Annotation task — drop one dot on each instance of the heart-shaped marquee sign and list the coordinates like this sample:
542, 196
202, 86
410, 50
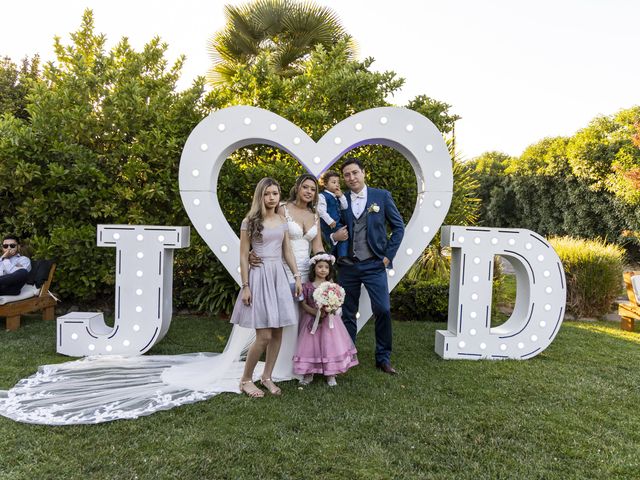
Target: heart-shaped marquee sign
227, 130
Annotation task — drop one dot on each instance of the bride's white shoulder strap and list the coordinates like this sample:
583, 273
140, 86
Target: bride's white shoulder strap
286, 211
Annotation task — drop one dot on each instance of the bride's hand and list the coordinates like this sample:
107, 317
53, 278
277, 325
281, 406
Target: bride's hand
298, 288
246, 296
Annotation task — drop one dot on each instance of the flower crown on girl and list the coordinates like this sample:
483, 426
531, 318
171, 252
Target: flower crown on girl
322, 256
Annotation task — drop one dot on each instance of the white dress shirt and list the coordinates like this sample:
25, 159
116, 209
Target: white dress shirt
10, 265
359, 202
322, 207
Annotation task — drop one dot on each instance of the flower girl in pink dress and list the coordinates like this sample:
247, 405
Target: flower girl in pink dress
329, 350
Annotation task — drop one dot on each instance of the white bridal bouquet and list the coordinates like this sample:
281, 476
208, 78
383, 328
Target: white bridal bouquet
329, 297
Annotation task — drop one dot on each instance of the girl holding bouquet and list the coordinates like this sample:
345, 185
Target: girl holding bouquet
265, 301
324, 345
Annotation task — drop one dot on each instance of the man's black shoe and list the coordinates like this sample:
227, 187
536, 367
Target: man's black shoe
386, 368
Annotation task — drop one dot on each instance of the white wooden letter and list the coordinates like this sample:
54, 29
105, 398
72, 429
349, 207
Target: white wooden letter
540, 297
144, 283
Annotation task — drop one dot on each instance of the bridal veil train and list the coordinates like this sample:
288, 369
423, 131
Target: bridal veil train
104, 388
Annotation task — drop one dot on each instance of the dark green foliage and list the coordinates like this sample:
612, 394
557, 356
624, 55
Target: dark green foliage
422, 300
556, 206
285, 31
584, 186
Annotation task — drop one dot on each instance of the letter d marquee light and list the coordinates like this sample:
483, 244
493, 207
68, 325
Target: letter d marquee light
540, 296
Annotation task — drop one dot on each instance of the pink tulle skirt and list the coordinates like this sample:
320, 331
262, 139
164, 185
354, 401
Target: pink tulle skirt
329, 351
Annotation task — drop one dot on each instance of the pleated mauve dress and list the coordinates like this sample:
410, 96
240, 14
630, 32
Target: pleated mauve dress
272, 303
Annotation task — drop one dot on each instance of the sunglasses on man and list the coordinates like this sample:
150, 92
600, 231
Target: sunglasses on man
9, 245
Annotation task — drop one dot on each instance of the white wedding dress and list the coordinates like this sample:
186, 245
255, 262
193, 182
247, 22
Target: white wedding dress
104, 388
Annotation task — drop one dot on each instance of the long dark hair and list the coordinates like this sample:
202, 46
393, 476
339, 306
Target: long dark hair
293, 194
256, 214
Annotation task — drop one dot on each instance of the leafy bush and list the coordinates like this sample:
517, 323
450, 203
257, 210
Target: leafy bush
100, 145
423, 300
424, 293
556, 205
594, 274
583, 186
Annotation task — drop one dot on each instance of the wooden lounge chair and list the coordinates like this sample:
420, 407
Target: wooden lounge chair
41, 276
629, 311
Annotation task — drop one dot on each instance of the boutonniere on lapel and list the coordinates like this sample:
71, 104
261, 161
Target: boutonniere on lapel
373, 208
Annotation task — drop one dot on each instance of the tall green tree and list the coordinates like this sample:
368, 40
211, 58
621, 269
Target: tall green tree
286, 31
101, 144
15, 82
438, 112
586, 185
546, 157
604, 154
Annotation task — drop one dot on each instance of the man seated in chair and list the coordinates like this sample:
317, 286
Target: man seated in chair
14, 268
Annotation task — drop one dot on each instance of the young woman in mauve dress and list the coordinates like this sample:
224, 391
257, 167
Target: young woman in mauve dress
265, 302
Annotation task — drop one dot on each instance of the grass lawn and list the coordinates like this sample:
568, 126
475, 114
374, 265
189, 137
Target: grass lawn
571, 412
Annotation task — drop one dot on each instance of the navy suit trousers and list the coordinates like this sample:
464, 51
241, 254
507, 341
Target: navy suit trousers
373, 275
12, 283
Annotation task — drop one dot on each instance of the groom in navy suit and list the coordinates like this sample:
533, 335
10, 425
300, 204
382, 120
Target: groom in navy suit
371, 251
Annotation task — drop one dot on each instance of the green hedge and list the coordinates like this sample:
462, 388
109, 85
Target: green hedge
594, 274
428, 300
556, 205
423, 300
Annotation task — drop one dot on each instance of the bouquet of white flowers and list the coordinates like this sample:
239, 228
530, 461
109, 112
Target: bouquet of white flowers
329, 297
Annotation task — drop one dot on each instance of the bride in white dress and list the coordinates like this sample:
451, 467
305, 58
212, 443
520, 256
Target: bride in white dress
304, 236
104, 388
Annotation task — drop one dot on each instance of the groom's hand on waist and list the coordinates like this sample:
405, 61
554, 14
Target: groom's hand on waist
254, 260
386, 261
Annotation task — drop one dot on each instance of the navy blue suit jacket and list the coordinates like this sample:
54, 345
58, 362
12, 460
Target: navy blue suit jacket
381, 245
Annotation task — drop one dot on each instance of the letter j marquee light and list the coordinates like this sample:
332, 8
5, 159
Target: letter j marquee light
144, 284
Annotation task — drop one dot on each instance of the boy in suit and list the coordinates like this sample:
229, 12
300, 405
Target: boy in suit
331, 202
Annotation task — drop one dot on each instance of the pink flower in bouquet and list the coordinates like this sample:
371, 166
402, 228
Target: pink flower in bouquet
328, 297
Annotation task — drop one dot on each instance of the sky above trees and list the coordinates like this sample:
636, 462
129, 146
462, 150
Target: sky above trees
514, 71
